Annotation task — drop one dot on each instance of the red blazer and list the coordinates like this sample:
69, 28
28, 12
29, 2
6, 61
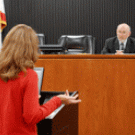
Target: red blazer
20, 110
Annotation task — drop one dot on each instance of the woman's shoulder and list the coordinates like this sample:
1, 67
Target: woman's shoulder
29, 70
29, 73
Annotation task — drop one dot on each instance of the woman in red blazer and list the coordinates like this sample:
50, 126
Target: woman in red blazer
19, 100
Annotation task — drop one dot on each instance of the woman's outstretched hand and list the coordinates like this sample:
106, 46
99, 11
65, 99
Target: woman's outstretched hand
66, 99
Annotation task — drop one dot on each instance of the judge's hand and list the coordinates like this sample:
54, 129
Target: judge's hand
119, 52
66, 99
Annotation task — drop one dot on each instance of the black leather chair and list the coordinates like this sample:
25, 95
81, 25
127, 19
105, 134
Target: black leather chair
41, 38
53, 48
71, 44
74, 44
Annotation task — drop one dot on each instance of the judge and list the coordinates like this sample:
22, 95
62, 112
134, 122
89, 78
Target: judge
122, 43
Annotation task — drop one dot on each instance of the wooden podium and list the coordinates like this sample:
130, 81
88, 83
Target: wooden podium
63, 121
106, 86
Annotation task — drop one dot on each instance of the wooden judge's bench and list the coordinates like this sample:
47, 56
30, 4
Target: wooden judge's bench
106, 86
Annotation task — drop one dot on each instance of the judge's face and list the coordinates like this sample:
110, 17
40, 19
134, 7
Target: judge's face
123, 32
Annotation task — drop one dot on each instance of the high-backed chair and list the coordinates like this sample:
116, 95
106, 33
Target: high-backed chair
74, 44
53, 48
41, 38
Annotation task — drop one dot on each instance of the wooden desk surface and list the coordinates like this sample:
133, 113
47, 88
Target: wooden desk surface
87, 56
106, 85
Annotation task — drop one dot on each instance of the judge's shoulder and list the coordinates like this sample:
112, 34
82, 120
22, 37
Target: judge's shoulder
132, 38
111, 39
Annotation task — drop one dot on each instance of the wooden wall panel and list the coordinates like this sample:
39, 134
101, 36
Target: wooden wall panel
106, 86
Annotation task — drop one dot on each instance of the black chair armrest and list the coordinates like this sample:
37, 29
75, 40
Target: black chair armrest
91, 44
51, 47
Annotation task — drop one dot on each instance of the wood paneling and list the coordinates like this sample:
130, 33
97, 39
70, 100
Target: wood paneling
106, 86
60, 17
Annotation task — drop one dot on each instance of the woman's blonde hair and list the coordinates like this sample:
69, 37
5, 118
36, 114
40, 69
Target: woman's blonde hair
19, 51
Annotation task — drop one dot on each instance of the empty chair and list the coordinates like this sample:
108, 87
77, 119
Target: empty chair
74, 44
41, 38
53, 48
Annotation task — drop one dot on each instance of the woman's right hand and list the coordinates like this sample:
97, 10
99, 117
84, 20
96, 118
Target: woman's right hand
66, 99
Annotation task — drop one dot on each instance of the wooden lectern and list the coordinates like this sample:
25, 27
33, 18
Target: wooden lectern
63, 121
